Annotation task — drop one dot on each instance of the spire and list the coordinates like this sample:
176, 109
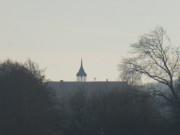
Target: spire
81, 75
81, 63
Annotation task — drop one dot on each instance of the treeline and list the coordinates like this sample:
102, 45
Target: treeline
123, 111
29, 107
119, 111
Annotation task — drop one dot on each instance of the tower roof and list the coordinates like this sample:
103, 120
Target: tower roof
81, 70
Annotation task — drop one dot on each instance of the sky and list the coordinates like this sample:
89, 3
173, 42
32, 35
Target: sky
56, 34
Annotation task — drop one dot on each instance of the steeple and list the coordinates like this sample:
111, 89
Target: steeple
81, 75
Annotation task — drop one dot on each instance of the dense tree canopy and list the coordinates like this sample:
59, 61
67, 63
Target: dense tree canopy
125, 111
27, 105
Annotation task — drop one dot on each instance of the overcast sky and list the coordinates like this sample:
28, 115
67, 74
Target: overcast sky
58, 33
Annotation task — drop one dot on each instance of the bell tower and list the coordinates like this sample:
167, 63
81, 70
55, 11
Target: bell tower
81, 75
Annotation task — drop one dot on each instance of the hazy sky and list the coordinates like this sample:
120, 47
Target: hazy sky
58, 33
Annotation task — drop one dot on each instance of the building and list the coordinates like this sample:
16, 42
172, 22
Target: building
81, 82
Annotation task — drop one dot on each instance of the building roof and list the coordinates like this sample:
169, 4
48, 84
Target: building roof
81, 71
62, 87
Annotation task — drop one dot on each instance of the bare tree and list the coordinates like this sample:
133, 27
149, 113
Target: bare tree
156, 59
131, 77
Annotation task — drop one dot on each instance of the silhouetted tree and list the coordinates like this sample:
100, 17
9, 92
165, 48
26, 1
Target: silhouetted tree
124, 111
174, 125
155, 59
27, 105
132, 78
74, 113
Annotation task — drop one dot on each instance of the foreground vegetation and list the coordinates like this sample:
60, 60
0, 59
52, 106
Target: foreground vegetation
29, 107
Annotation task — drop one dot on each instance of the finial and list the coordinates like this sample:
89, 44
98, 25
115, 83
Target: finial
81, 62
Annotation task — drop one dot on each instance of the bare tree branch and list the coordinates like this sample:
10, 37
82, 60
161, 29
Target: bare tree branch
155, 59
